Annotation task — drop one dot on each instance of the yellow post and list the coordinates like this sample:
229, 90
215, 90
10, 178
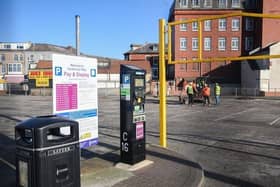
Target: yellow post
162, 91
200, 40
169, 44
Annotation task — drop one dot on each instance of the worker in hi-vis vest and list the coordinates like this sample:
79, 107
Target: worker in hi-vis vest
190, 93
217, 93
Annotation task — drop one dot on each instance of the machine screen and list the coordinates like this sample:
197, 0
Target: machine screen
139, 82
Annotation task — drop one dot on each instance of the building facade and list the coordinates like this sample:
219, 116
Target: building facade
225, 37
12, 61
18, 59
220, 38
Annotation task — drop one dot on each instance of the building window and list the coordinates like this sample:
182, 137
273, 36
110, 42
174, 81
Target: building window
103, 64
222, 3
183, 44
249, 43
235, 24
4, 68
14, 68
2, 57
15, 57
195, 3
222, 24
222, 44
207, 3
195, 66
19, 46
21, 57
207, 44
184, 3
207, 66
31, 58
207, 25
7, 46
194, 44
235, 3
183, 67
235, 44
183, 26
249, 24
250, 4
195, 26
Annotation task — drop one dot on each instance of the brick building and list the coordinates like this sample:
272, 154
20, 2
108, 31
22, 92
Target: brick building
221, 38
230, 37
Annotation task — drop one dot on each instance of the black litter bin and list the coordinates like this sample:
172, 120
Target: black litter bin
47, 152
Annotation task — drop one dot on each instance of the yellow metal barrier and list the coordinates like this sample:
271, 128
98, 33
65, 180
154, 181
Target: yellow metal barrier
199, 20
162, 68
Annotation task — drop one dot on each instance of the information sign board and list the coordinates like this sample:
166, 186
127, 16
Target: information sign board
75, 94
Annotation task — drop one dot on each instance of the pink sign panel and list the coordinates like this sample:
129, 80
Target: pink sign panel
66, 97
139, 130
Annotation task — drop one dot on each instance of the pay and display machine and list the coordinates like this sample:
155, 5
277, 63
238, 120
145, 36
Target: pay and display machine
132, 114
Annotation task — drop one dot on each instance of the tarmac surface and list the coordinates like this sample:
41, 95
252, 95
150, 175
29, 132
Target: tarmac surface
233, 144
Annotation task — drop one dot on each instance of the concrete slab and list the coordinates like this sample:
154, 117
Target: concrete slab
134, 167
105, 177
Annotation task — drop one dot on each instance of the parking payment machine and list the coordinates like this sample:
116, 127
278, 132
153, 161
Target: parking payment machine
132, 114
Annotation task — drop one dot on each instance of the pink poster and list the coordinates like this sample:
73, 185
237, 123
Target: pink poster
66, 97
139, 130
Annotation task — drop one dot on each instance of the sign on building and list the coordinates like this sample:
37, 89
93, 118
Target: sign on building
42, 77
75, 94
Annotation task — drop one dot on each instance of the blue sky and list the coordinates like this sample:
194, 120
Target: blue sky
107, 27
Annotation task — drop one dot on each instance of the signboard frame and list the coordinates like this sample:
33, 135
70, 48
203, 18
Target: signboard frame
75, 94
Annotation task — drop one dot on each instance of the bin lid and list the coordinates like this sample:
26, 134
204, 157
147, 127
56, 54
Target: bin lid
42, 121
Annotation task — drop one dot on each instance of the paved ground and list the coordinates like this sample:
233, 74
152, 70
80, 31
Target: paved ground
236, 143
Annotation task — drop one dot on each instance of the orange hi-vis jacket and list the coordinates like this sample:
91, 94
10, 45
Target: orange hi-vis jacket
206, 91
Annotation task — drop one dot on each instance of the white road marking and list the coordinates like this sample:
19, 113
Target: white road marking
230, 115
275, 121
185, 113
8, 164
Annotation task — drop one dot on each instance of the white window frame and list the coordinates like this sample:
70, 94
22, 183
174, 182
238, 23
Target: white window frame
195, 26
183, 44
184, 3
183, 26
235, 3
21, 57
249, 24
207, 43
195, 3
235, 43
194, 44
207, 3
249, 43
4, 68
235, 24
222, 3
222, 24
221, 43
15, 68
16, 57
207, 25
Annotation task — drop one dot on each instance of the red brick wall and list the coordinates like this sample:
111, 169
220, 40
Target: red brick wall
134, 57
214, 34
271, 27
